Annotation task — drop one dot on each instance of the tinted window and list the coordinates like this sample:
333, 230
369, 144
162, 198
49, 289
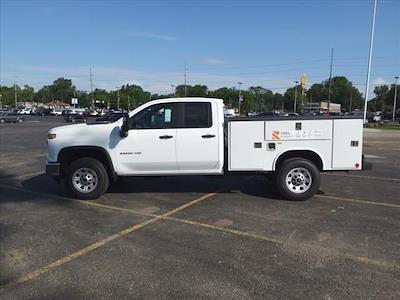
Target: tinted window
157, 116
197, 115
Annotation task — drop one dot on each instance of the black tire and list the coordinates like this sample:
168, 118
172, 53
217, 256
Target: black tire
287, 189
99, 172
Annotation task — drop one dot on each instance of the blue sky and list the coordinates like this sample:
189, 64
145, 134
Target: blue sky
268, 43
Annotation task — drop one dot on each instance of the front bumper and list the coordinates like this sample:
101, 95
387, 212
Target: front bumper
53, 169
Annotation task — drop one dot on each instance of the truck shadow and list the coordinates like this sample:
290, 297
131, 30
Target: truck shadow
254, 185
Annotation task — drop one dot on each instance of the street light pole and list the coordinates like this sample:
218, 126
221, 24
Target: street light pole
173, 89
371, 44
240, 93
330, 83
295, 96
395, 99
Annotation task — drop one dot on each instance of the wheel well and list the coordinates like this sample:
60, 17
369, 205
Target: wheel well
70, 154
307, 154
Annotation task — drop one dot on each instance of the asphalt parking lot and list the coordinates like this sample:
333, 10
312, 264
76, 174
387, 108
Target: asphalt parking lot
197, 237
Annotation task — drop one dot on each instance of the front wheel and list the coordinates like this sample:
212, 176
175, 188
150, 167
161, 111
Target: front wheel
87, 179
297, 179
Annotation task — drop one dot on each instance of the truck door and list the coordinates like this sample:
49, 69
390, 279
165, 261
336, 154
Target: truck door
150, 147
198, 139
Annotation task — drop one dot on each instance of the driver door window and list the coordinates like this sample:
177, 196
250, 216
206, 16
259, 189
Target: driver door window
159, 116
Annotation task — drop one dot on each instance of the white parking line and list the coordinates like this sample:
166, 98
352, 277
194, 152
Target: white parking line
361, 176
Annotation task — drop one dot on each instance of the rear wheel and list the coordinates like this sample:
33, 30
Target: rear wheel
87, 179
20, 120
2, 121
297, 179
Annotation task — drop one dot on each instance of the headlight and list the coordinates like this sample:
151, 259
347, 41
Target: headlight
51, 136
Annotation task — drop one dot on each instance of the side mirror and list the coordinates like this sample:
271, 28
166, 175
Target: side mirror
124, 128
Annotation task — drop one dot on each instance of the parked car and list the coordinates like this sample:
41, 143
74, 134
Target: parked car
24, 111
7, 117
369, 119
75, 118
377, 116
57, 111
266, 114
111, 117
291, 115
41, 111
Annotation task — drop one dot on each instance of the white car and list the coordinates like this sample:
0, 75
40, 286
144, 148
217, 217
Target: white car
186, 136
24, 111
57, 112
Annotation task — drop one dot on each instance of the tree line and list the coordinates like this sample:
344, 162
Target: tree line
255, 98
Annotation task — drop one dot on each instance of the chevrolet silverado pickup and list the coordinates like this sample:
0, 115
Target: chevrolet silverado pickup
190, 136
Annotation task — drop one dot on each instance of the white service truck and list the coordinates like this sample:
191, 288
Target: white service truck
190, 136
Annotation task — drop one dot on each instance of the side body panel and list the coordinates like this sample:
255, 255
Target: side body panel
347, 144
256, 145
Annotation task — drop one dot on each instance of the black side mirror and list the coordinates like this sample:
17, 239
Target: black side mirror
125, 127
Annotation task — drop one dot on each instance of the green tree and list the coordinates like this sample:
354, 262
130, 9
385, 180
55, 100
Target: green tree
342, 91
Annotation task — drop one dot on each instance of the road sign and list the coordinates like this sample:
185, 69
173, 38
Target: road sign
74, 100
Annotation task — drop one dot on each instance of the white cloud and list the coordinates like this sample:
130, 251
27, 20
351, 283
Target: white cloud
109, 78
152, 35
213, 61
379, 81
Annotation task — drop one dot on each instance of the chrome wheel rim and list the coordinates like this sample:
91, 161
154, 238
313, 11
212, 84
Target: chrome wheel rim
85, 180
298, 180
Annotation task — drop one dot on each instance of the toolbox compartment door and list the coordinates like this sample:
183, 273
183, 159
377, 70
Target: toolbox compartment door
347, 144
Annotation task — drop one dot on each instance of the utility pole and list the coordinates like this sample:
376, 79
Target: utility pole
118, 100
351, 100
15, 96
1, 103
395, 99
371, 45
295, 96
129, 104
173, 90
91, 87
185, 80
330, 83
240, 96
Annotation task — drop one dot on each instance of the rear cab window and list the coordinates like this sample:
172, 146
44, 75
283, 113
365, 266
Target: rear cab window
197, 115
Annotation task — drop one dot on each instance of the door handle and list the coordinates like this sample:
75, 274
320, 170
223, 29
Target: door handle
165, 137
208, 136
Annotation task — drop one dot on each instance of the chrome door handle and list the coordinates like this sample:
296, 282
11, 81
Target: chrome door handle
165, 137
208, 136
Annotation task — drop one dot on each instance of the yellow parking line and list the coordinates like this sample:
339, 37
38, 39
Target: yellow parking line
166, 216
360, 176
275, 240
100, 243
357, 201
189, 222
